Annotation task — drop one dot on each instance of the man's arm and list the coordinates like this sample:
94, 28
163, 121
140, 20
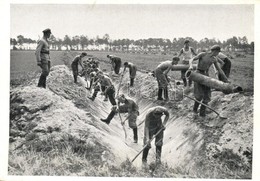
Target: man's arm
197, 57
193, 52
38, 52
167, 115
181, 51
220, 71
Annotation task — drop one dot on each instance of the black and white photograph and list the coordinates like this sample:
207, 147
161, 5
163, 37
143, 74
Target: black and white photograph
106, 90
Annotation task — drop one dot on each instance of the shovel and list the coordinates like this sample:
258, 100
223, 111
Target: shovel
220, 115
147, 144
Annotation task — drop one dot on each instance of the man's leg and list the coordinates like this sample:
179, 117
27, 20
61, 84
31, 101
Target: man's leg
131, 82
184, 78
94, 94
135, 135
158, 144
44, 74
109, 117
160, 90
166, 96
111, 96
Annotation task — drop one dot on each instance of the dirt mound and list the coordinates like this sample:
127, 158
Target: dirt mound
199, 146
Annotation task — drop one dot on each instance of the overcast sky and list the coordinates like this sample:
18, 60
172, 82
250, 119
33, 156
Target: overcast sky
134, 21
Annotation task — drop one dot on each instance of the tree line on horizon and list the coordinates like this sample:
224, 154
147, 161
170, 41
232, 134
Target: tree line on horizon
82, 42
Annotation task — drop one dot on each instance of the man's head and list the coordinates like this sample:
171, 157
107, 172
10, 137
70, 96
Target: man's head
157, 113
175, 60
215, 49
186, 43
108, 56
47, 32
126, 64
121, 98
83, 54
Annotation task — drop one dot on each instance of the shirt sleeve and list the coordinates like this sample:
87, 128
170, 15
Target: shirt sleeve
38, 51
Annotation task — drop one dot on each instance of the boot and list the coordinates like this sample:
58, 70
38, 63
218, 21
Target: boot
135, 135
166, 96
184, 82
158, 154
42, 81
202, 111
131, 82
160, 94
145, 154
93, 96
75, 78
109, 117
195, 107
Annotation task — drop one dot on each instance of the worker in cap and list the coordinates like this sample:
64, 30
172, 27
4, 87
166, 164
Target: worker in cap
203, 92
48, 30
115, 62
215, 48
186, 53
132, 71
75, 63
129, 106
42, 54
154, 124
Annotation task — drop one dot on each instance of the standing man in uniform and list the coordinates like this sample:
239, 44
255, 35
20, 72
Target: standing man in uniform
132, 72
202, 92
116, 63
161, 75
129, 106
75, 63
186, 53
154, 124
42, 54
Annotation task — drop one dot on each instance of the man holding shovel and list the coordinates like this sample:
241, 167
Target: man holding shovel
115, 62
132, 72
161, 72
75, 63
129, 106
154, 126
203, 92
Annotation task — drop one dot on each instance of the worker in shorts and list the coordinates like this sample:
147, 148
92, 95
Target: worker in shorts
129, 106
187, 53
161, 75
132, 72
203, 92
154, 124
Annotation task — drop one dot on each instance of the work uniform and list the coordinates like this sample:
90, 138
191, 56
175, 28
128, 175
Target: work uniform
162, 78
226, 66
116, 64
107, 87
132, 72
132, 109
203, 92
186, 56
153, 124
74, 66
43, 60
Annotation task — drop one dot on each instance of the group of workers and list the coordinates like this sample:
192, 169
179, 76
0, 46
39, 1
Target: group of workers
154, 125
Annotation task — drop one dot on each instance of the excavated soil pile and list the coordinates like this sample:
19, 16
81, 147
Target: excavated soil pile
190, 143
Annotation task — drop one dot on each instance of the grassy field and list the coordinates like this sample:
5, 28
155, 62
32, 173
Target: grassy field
23, 65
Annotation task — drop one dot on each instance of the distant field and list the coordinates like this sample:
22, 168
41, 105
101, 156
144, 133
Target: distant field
23, 65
